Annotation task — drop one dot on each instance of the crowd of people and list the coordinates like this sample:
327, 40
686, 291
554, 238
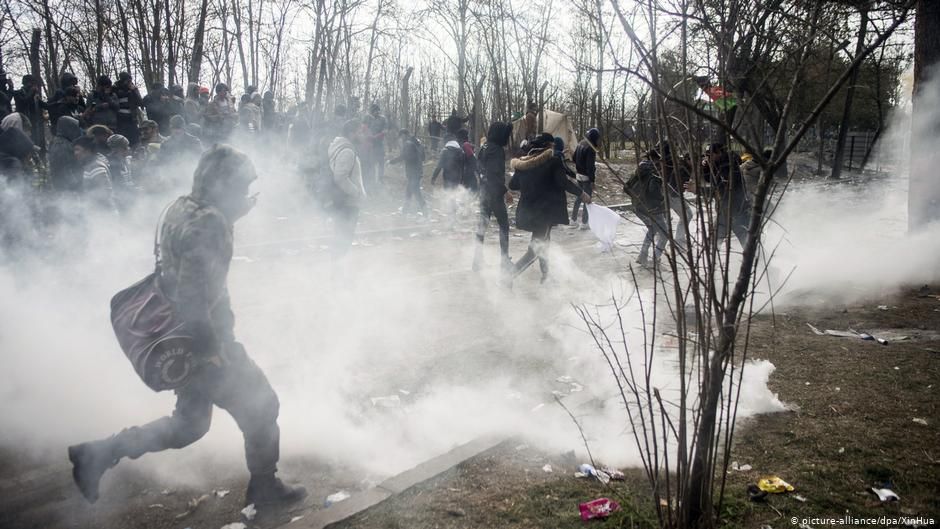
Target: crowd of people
109, 145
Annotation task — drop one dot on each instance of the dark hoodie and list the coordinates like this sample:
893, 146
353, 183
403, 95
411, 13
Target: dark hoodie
196, 243
492, 159
64, 171
15, 146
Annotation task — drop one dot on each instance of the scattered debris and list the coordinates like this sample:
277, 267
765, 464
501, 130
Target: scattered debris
614, 474
576, 388
250, 512
547, 468
799, 498
157, 506
237, 525
589, 470
457, 512
221, 493
755, 494
885, 494
851, 333
391, 401
918, 420
740, 468
841, 449
404, 392
580, 475
336, 498
166, 492
599, 508
296, 519
882, 307
774, 485
192, 505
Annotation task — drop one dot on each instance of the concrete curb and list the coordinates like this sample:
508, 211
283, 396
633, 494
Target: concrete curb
397, 484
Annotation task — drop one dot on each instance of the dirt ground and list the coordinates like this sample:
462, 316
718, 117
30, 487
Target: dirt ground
855, 401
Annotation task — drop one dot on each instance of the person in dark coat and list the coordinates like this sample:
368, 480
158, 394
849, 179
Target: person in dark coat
494, 193
542, 183
450, 163
29, 103
156, 102
412, 154
6, 94
103, 104
722, 170
129, 103
65, 172
436, 132
646, 194
585, 158
454, 123
70, 104
195, 255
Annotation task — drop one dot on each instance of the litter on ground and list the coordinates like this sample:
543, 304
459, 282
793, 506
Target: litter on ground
599, 508
250, 512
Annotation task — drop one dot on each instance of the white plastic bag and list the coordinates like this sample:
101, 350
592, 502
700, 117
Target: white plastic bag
603, 223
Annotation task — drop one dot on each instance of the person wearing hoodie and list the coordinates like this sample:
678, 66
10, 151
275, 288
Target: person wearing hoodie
494, 194
70, 104
585, 157
97, 187
722, 169
348, 192
64, 171
129, 103
450, 164
542, 183
195, 252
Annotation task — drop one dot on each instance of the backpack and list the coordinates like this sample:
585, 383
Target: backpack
645, 189
320, 179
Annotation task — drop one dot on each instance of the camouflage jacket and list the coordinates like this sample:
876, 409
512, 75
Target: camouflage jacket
195, 253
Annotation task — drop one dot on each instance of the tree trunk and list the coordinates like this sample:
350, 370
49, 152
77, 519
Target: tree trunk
923, 195
839, 155
195, 64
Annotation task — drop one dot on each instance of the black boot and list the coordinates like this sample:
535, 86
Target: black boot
89, 462
268, 489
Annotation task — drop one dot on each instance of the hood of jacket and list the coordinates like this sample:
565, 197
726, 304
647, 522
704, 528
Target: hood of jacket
14, 142
532, 160
452, 144
499, 133
222, 178
68, 128
12, 121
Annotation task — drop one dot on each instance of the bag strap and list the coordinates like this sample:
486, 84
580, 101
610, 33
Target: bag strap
157, 236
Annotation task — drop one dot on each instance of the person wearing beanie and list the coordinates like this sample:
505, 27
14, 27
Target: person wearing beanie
103, 104
585, 158
542, 183
100, 134
494, 194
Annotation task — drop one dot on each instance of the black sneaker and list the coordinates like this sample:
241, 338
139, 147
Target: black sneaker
267, 490
89, 462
